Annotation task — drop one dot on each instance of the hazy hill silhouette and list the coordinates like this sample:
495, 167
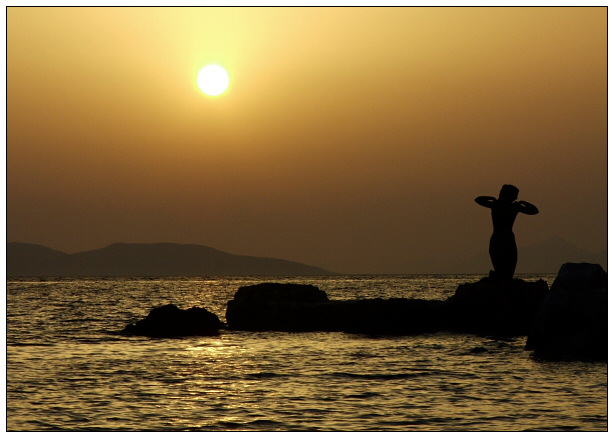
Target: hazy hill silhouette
147, 260
541, 258
169, 260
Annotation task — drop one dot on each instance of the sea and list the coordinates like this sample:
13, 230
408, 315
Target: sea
68, 367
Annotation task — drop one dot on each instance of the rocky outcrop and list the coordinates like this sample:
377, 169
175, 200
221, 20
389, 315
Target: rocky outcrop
569, 322
279, 293
301, 308
276, 307
572, 324
393, 316
486, 307
170, 321
495, 307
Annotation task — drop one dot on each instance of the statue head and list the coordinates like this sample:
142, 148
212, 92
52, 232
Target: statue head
508, 193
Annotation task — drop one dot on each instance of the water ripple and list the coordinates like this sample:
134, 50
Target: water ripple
69, 369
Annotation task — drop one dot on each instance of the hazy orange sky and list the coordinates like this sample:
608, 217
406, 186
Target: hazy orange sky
354, 139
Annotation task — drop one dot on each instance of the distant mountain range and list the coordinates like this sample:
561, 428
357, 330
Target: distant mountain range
542, 258
144, 260
177, 260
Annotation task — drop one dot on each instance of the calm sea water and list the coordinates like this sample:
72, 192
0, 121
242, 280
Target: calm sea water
69, 369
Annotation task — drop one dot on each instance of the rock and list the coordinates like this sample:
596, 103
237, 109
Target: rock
572, 324
495, 307
488, 307
393, 316
301, 308
170, 321
280, 293
276, 307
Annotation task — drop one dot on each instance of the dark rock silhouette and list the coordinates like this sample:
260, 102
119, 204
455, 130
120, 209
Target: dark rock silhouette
502, 248
494, 307
275, 306
393, 316
296, 308
280, 293
169, 321
569, 322
488, 307
573, 321
300, 308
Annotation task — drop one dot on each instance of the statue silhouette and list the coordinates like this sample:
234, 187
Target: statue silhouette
504, 210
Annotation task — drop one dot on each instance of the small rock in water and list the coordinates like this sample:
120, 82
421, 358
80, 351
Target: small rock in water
276, 306
170, 321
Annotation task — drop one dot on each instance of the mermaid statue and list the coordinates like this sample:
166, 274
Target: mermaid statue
502, 249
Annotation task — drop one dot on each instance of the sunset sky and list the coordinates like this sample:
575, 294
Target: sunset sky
354, 139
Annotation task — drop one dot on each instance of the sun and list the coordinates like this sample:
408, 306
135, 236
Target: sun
212, 80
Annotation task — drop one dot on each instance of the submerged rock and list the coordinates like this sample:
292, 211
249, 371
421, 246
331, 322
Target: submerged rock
573, 321
170, 321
